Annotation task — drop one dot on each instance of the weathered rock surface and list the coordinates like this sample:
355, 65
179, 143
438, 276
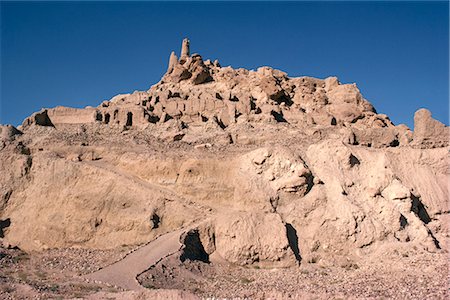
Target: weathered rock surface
429, 132
253, 238
276, 170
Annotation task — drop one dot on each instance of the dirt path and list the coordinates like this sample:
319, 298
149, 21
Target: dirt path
124, 272
111, 168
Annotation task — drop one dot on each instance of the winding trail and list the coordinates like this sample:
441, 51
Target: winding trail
124, 272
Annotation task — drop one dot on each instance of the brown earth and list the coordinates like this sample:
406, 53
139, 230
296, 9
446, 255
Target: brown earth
225, 183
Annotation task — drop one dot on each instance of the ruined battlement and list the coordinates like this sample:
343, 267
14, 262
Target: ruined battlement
194, 91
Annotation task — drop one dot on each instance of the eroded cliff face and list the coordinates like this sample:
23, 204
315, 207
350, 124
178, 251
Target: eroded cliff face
270, 170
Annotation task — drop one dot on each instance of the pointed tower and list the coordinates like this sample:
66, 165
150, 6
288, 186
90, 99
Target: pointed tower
185, 53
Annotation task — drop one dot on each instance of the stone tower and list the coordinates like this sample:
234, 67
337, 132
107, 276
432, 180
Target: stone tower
184, 51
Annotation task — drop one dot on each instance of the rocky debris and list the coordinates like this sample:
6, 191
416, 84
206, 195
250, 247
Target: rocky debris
428, 132
52, 273
160, 294
395, 274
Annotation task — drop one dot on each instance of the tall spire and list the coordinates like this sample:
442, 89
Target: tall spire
173, 60
185, 53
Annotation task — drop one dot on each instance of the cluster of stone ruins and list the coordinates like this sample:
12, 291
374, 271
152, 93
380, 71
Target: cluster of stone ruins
196, 91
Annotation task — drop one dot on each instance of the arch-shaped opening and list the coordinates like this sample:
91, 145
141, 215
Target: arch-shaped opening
333, 121
107, 118
129, 119
193, 248
116, 113
98, 116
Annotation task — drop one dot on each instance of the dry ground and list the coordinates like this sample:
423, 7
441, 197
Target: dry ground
54, 274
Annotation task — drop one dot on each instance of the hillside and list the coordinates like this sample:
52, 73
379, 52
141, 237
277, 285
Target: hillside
215, 168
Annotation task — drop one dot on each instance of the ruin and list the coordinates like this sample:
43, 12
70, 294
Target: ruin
185, 51
217, 167
193, 91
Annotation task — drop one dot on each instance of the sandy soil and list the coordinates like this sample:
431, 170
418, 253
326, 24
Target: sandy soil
397, 276
55, 274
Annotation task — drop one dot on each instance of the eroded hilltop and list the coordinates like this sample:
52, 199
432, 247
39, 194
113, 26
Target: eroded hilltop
269, 170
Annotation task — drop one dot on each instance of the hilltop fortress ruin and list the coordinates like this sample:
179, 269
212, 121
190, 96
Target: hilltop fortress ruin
194, 91
250, 168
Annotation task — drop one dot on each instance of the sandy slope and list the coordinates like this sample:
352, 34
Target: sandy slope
123, 273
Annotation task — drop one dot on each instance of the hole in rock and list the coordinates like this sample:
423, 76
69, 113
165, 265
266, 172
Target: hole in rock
310, 182
155, 220
173, 95
403, 221
129, 119
394, 143
234, 99
43, 119
419, 209
193, 248
285, 99
98, 222
107, 117
4, 224
293, 241
353, 160
98, 116
252, 103
333, 121
278, 117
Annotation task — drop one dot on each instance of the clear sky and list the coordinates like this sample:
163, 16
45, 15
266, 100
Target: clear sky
80, 53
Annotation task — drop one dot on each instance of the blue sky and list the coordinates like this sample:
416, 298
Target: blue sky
80, 53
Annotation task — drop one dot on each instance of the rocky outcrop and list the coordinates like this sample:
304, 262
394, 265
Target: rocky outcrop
187, 67
8, 133
428, 132
40, 118
253, 239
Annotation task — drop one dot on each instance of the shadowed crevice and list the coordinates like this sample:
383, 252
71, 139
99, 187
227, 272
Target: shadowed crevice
193, 248
293, 241
419, 209
4, 224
